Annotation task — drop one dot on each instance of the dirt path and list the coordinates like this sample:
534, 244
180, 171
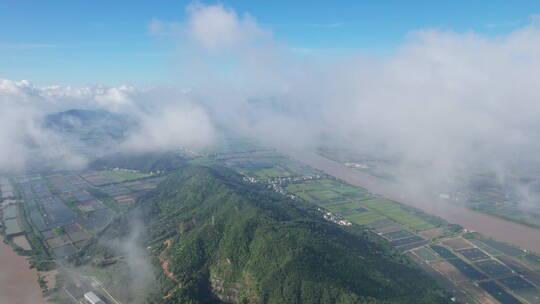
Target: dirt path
18, 283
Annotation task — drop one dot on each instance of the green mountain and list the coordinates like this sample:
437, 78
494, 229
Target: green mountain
214, 239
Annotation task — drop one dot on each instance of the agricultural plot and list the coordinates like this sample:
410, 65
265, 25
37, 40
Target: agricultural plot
396, 213
96, 179
114, 190
473, 254
449, 271
357, 210
82, 196
350, 191
64, 251
386, 229
457, 243
273, 172
66, 182
37, 220
493, 268
531, 295
326, 195
532, 258
365, 218
533, 277
467, 269
10, 212
498, 293
47, 234
398, 235
57, 214
12, 227
58, 241
443, 252
344, 206
119, 176
75, 233
381, 224
502, 247
92, 205
406, 241
97, 220
426, 255
485, 247
127, 199
516, 282
145, 185
412, 246
305, 196
513, 264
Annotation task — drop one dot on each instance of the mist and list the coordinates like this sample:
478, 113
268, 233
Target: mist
443, 106
441, 103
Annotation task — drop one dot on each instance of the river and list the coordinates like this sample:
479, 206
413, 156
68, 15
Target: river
18, 283
495, 227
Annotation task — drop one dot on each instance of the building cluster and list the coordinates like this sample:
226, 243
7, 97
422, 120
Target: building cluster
277, 182
329, 216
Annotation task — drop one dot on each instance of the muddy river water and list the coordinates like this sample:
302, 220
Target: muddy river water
497, 228
18, 283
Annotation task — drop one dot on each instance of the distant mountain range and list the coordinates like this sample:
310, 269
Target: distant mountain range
96, 126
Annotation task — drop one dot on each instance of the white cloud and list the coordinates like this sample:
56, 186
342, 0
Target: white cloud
165, 122
171, 127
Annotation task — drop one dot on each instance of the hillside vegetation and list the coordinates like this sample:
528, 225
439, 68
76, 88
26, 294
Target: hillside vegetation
213, 239
219, 238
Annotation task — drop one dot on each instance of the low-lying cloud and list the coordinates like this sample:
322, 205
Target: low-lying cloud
440, 103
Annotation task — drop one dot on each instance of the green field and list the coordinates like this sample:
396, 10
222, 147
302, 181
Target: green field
304, 196
342, 206
122, 176
309, 186
326, 194
349, 191
398, 214
364, 218
269, 173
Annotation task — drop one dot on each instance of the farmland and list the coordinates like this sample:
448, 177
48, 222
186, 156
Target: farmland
478, 269
59, 214
479, 189
56, 214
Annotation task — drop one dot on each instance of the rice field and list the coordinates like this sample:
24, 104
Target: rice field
365, 218
396, 213
122, 176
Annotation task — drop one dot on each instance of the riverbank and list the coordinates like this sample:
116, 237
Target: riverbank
18, 283
491, 226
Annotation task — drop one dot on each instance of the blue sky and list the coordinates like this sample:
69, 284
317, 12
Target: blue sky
88, 42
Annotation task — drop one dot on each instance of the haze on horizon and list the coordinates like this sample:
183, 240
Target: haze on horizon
436, 99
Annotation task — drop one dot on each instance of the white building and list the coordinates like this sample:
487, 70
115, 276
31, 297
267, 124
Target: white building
92, 298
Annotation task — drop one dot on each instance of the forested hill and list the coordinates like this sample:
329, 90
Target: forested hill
215, 238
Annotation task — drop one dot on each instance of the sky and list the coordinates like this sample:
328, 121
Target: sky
82, 43
438, 88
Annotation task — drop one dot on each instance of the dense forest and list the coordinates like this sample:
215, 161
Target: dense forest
213, 238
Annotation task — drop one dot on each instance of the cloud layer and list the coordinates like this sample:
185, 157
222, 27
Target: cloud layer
441, 103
